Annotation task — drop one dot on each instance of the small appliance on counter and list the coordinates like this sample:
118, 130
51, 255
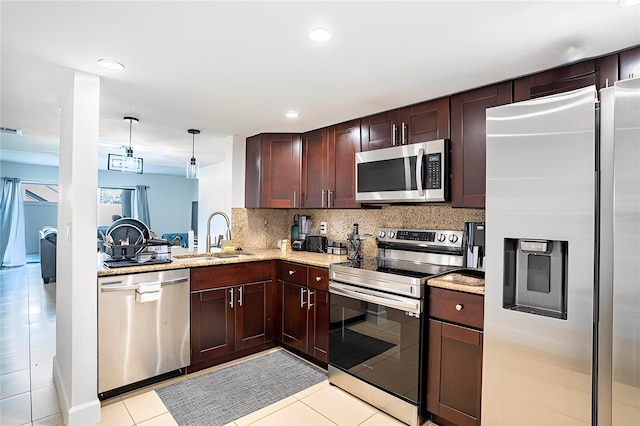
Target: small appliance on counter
299, 230
316, 244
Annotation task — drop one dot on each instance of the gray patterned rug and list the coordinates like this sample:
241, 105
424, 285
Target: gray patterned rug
222, 396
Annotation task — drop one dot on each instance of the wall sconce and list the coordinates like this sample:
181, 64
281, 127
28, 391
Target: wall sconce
193, 166
126, 163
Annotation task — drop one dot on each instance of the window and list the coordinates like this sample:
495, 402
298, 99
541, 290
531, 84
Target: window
113, 202
39, 193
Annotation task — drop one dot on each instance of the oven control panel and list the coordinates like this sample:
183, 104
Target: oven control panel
439, 238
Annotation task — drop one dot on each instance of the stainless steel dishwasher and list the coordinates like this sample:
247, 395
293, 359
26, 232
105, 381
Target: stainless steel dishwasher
143, 328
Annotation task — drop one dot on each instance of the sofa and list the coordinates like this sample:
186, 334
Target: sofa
48, 242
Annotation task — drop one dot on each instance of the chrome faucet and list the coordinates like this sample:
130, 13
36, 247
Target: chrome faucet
227, 235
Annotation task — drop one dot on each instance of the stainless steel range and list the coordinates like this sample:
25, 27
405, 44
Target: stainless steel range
377, 307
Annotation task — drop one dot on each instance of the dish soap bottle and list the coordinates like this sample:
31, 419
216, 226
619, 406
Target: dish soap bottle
295, 229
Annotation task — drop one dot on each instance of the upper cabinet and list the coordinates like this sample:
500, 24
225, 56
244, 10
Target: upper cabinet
416, 123
599, 72
629, 63
273, 170
468, 142
328, 166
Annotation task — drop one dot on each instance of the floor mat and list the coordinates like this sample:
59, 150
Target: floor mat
225, 395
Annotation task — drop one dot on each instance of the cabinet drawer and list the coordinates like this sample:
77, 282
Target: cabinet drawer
292, 272
456, 306
319, 278
225, 275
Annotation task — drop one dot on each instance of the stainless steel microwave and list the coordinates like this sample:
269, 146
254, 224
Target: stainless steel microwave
415, 173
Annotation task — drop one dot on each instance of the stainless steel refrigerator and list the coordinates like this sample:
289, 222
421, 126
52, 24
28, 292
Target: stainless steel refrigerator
562, 302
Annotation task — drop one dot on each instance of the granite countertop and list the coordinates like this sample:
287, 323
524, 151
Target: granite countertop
205, 259
459, 281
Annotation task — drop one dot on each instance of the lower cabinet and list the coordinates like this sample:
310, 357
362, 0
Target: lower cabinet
303, 303
454, 357
228, 318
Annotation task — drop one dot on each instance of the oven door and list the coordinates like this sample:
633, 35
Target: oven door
376, 338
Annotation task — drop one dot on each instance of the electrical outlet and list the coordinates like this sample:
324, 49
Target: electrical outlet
323, 228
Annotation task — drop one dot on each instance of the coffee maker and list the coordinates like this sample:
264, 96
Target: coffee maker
473, 245
304, 228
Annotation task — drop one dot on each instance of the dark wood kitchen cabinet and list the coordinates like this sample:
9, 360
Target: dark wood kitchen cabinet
629, 63
598, 72
454, 357
328, 166
232, 309
303, 304
469, 142
412, 124
273, 171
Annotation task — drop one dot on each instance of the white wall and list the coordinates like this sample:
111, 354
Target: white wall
221, 186
75, 365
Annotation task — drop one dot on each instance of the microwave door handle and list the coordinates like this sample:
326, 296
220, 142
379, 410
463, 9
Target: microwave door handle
419, 171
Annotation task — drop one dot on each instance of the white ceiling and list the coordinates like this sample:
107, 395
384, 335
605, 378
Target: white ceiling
235, 68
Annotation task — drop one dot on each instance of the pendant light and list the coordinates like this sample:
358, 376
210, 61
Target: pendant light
193, 166
126, 163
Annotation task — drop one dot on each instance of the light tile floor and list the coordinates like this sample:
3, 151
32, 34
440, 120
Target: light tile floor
28, 396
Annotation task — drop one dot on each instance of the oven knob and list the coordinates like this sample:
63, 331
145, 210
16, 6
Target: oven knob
453, 238
392, 234
381, 234
442, 237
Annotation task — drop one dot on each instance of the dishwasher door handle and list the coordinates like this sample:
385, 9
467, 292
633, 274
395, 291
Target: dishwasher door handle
113, 286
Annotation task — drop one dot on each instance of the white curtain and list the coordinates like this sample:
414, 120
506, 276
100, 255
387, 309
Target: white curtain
141, 205
13, 249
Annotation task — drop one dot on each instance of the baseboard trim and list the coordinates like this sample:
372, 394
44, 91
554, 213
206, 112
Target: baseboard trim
83, 414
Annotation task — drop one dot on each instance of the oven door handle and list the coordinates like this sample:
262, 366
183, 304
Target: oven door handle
396, 302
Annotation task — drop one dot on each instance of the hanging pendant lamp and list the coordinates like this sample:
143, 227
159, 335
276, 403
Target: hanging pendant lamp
126, 163
193, 166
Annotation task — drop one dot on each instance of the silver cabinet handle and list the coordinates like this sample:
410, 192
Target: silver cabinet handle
459, 307
419, 171
302, 302
240, 296
394, 129
294, 198
403, 141
291, 272
329, 198
323, 193
309, 304
231, 301
318, 278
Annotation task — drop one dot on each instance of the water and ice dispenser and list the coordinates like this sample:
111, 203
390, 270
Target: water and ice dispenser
535, 276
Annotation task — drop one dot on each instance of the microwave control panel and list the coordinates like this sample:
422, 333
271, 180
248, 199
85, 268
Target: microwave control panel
434, 171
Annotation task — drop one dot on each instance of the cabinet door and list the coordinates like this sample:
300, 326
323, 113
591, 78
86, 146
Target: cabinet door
318, 324
252, 178
212, 324
454, 373
294, 314
424, 122
281, 169
629, 63
563, 79
344, 143
379, 130
314, 169
469, 142
253, 316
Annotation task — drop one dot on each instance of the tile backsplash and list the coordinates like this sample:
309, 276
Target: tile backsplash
262, 228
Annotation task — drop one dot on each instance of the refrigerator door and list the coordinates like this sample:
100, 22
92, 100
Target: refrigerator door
626, 249
541, 157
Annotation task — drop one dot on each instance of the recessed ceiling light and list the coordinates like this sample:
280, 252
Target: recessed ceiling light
292, 114
111, 65
320, 34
